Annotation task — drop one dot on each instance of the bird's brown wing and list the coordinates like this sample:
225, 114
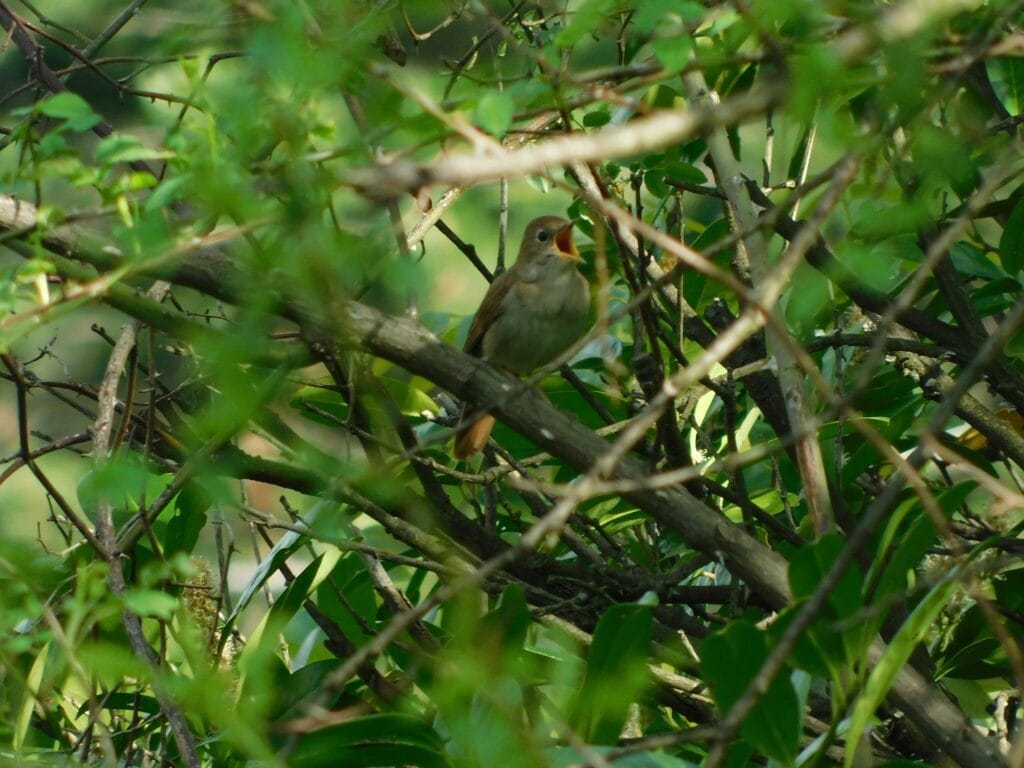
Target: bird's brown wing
490, 309
472, 437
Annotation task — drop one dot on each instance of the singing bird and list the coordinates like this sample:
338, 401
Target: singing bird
529, 315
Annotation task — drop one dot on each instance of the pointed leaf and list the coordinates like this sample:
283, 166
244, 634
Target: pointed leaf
730, 659
616, 672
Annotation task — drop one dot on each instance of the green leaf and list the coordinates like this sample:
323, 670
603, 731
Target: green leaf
685, 172
1011, 244
373, 740
875, 220
71, 108
796, 162
348, 599
540, 183
998, 296
130, 701
32, 693
507, 625
941, 157
189, 519
263, 638
1009, 589
878, 264
8, 288
410, 394
301, 587
981, 660
597, 118
109, 663
673, 52
808, 566
1007, 77
121, 148
285, 546
331, 408
913, 543
616, 672
654, 181
54, 145
588, 17
729, 661
654, 14
808, 301
165, 193
494, 112
824, 644
809, 91
293, 694
971, 260
151, 602
568, 757
896, 655
120, 481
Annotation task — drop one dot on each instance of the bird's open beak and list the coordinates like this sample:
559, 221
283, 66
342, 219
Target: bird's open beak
566, 247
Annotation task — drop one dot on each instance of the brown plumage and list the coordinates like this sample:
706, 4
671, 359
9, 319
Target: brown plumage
530, 315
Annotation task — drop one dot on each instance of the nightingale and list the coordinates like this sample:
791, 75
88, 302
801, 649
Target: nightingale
529, 315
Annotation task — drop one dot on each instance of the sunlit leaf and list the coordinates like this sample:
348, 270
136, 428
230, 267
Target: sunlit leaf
494, 112
1007, 77
31, 695
673, 52
884, 672
151, 602
71, 108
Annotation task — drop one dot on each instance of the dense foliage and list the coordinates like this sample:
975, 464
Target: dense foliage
766, 512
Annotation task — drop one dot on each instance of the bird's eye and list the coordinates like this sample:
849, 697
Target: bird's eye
543, 236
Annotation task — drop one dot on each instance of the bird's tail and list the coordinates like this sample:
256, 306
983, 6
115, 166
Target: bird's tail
471, 439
